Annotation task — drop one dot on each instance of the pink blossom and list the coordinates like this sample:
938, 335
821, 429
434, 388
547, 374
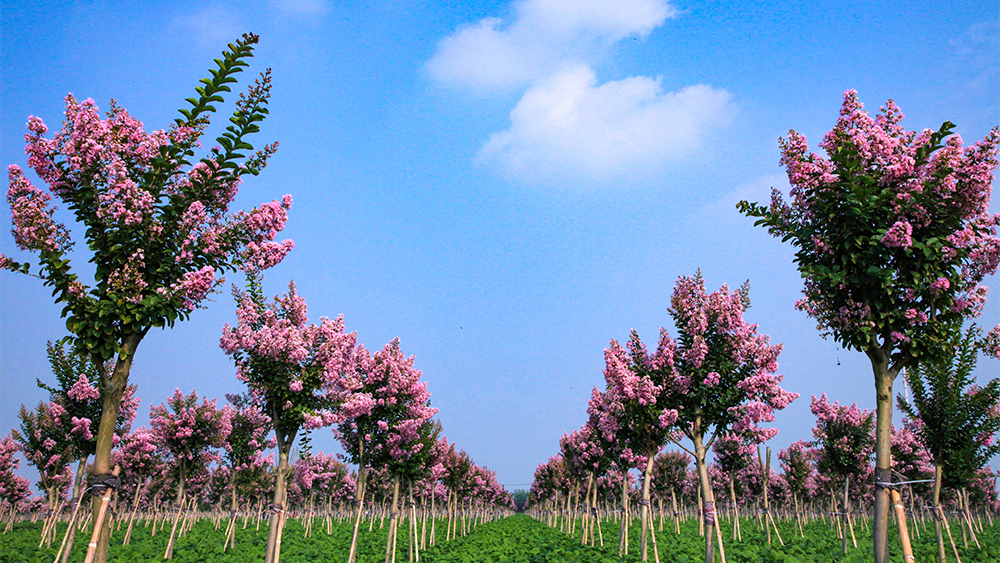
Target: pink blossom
81, 426
899, 235
82, 390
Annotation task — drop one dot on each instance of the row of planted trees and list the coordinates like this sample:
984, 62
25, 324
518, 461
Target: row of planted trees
201, 455
160, 231
827, 479
715, 380
893, 238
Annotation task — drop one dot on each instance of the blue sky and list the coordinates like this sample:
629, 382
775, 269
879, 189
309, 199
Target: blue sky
505, 186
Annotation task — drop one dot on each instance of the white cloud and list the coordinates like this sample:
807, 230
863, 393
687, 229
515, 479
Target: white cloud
567, 128
543, 36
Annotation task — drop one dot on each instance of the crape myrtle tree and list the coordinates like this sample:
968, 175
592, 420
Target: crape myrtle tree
291, 368
607, 416
844, 443
893, 236
243, 451
954, 418
800, 473
641, 419
458, 469
669, 475
584, 456
732, 456
716, 378
157, 227
13, 487
45, 444
76, 404
381, 422
324, 477
140, 453
187, 433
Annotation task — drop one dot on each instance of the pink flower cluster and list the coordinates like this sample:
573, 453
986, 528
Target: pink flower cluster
899, 235
34, 228
82, 390
187, 430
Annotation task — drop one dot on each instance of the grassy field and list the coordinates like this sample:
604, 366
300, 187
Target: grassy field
515, 539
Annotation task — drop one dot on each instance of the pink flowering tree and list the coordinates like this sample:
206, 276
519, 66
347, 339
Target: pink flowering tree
909, 456
954, 418
583, 451
322, 475
141, 455
45, 443
844, 443
733, 457
187, 433
158, 227
639, 416
384, 421
893, 236
716, 378
291, 368
797, 465
13, 487
243, 450
669, 475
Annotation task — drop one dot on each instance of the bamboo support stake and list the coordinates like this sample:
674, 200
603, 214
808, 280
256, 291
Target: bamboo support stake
904, 535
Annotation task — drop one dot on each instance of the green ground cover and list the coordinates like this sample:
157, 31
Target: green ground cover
518, 539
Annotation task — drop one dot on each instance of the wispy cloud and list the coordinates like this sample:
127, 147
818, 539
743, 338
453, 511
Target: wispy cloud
568, 127
541, 37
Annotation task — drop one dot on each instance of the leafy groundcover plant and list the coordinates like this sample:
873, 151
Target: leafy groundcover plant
515, 539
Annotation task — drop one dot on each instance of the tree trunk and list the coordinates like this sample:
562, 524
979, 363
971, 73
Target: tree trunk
359, 500
708, 498
113, 388
623, 526
278, 502
67, 542
884, 376
390, 541
647, 476
179, 501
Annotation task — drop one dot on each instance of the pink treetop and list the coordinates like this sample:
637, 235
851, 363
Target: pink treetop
385, 404
290, 366
164, 230
320, 472
187, 431
844, 442
139, 454
797, 463
717, 376
13, 487
929, 205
